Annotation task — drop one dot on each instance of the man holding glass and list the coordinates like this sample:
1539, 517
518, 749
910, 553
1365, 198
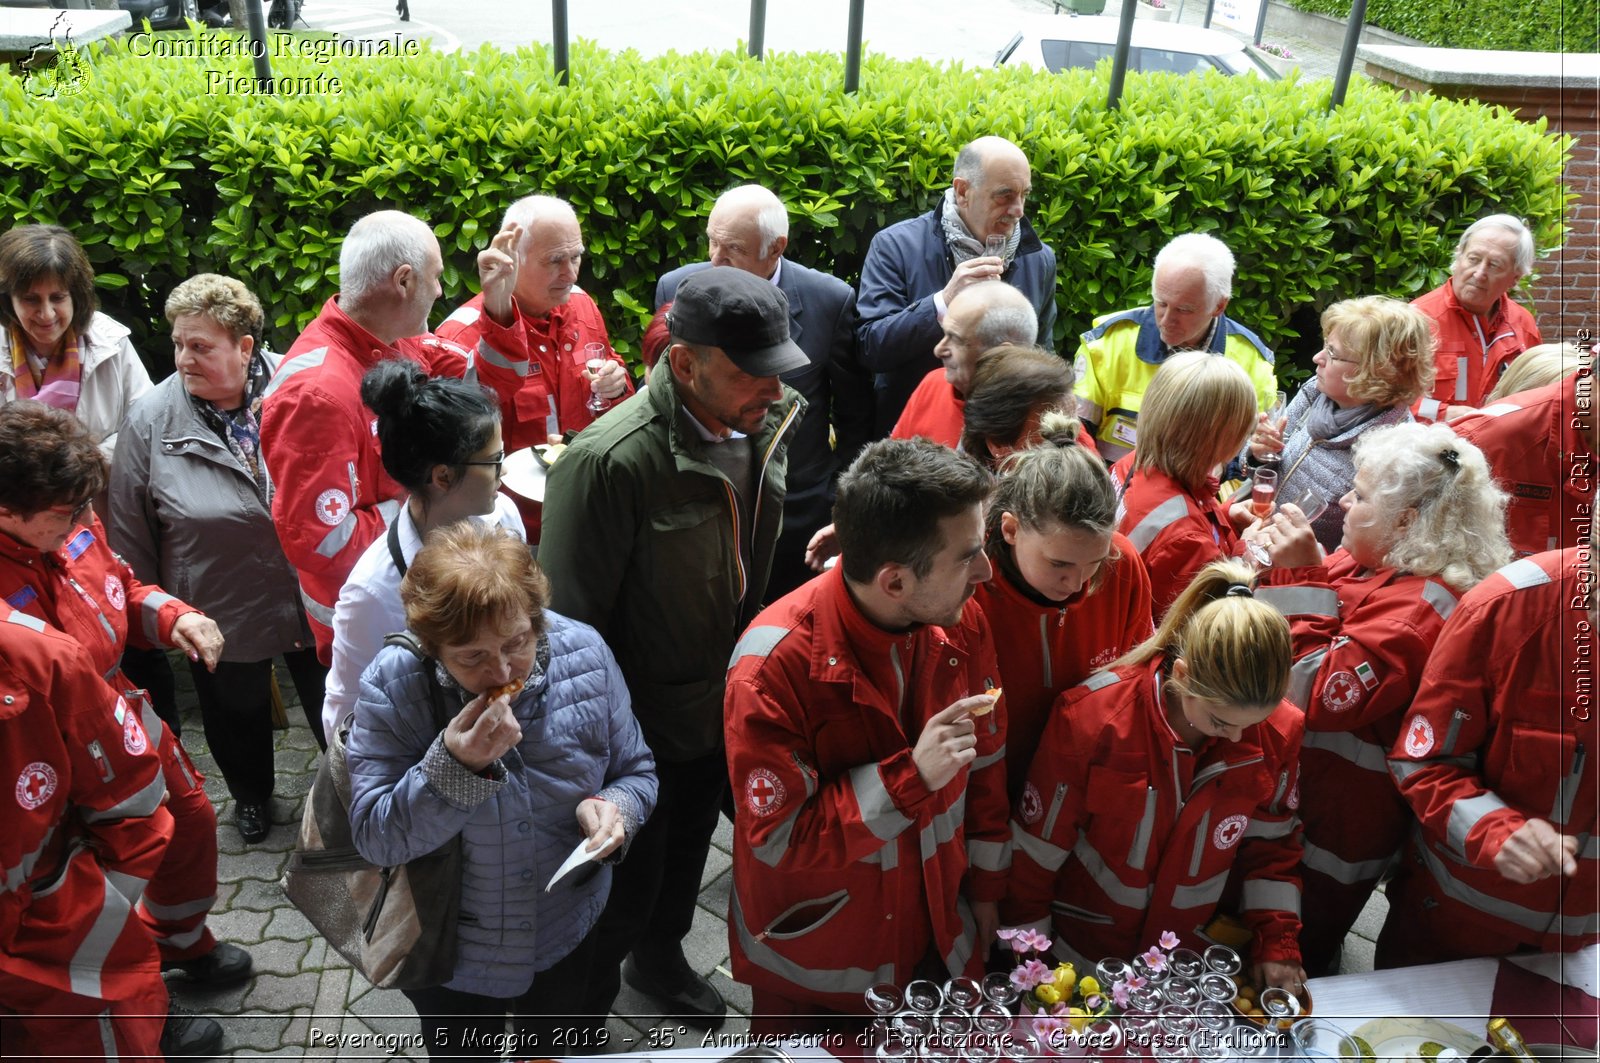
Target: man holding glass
660, 530
914, 269
560, 330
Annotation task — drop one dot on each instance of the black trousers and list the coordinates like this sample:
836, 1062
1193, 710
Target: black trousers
654, 889
151, 671
236, 708
467, 1026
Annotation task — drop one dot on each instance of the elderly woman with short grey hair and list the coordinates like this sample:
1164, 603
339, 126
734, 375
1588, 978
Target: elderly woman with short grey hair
191, 510
541, 755
1376, 359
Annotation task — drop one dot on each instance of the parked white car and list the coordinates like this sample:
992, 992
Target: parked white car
1058, 42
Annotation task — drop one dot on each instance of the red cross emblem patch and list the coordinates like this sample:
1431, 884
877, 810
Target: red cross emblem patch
332, 505
763, 792
115, 594
1342, 691
1229, 831
134, 740
1032, 805
35, 785
1419, 737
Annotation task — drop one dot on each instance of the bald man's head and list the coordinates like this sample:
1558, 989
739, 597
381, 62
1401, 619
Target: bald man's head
992, 182
749, 230
981, 317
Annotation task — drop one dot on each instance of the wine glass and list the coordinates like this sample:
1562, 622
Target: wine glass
1280, 1006
963, 993
994, 246
952, 1021
1318, 1039
998, 989
1111, 970
594, 360
895, 1049
924, 996
991, 1017
1278, 413
1181, 992
1186, 963
1309, 499
884, 999
1144, 969
1223, 960
1263, 491
1218, 987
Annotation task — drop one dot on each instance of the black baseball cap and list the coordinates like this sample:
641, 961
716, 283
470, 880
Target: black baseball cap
739, 312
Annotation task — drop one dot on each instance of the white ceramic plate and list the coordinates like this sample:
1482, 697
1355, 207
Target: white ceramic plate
524, 474
1401, 1040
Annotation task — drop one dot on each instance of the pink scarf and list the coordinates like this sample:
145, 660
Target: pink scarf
56, 382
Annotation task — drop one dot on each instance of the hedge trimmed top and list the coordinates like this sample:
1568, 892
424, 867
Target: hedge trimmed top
161, 181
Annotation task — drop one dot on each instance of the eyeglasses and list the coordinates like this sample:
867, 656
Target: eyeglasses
74, 512
497, 461
1327, 352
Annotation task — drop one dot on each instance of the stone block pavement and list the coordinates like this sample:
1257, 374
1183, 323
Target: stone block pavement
305, 1002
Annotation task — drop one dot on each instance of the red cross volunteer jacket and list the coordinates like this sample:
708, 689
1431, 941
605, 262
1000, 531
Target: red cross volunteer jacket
81, 832
1361, 641
1123, 833
1176, 532
1503, 730
331, 497
1537, 453
847, 869
1044, 649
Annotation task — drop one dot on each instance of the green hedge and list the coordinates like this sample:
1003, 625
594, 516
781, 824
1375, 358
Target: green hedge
161, 181
1523, 26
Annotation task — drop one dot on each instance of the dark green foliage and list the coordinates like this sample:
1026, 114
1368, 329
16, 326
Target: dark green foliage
1523, 26
161, 181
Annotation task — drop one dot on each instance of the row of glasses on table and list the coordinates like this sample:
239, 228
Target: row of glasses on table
1181, 1012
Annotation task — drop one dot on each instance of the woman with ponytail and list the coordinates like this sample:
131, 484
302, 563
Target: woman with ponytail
1196, 414
1069, 595
1423, 524
441, 441
1163, 781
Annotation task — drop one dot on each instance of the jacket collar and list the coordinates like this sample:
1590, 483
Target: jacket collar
849, 648
99, 341
352, 337
1494, 319
688, 449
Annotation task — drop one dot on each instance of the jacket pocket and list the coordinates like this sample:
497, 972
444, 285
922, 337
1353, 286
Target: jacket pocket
693, 539
1082, 915
801, 919
1543, 772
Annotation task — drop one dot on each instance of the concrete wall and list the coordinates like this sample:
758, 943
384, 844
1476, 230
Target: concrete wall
1565, 90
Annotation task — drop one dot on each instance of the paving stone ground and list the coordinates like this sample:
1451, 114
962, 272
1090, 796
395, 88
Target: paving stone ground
305, 1002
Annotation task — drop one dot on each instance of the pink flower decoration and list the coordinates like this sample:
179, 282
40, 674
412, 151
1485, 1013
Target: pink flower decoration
1029, 975
1033, 940
1049, 1029
1119, 994
1094, 1003
1155, 959
1006, 933
1169, 940
1134, 981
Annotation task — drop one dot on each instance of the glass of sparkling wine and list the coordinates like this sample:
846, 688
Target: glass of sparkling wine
594, 360
1263, 492
994, 246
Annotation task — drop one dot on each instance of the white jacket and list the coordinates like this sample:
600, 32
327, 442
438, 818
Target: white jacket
113, 377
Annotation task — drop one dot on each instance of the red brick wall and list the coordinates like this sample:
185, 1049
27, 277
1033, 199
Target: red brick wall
1566, 296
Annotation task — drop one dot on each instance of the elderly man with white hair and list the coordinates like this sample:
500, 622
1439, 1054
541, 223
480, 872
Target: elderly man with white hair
749, 229
1479, 328
1119, 356
981, 317
320, 443
546, 320
915, 268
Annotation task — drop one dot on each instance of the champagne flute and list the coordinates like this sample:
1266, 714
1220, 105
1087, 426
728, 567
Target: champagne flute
594, 360
1263, 491
994, 246
1309, 499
